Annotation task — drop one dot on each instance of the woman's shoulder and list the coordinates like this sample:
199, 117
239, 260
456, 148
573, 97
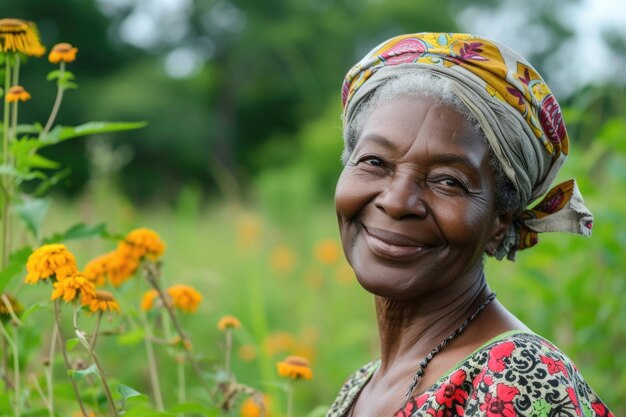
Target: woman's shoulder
524, 372
351, 388
516, 373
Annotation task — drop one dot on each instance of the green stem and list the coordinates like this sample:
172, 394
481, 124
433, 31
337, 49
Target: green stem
49, 370
57, 317
182, 389
96, 331
57, 101
229, 346
16, 370
152, 367
94, 357
4, 258
289, 398
152, 273
33, 380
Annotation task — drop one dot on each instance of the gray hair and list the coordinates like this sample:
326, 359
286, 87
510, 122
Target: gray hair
440, 89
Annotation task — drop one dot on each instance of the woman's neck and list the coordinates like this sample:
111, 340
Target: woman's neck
410, 329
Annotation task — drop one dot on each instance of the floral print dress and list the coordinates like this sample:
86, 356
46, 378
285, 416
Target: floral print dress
515, 374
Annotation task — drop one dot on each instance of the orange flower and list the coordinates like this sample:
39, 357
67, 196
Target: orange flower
50, 260
17, 93
247, 352
278, 342
103, 301
140, 243
185, 297
256, 406
62, 52
72, 286
122, 267
248, 230
282, 260
228, 322
19, 36
97, 270
147, 301
295, 367
115, 266
327, 251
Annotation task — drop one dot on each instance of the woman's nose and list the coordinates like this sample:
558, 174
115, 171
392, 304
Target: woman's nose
402, 198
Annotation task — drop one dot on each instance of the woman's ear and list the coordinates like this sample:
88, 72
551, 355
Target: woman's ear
498, 232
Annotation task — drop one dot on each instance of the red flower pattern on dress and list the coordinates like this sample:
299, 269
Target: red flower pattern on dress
406, 411
601, 410
502, 403
497, 354
574, 399
554, 366
452, 392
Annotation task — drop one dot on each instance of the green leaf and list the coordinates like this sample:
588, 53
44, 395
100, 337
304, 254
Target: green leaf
78, 375
132, 337
70, 344
30, 310
38, 161
63, 133
127, 392
79, 231
33, 211
16, 264
34, 128
46, 183
12, 172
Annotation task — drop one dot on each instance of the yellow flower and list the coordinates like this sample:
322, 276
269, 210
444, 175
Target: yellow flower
282, 260
228, 322
123, 267
327, 251
256, 406
15, 306
147, 301
19, 36
185, 297
103, 301
295, 367
140, 243
50, 260
248, 230
73, 286
62, 52
99, 269
278, 342
17, 93
247, 353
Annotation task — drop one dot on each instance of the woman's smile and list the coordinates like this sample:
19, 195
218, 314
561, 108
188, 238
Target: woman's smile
391, 245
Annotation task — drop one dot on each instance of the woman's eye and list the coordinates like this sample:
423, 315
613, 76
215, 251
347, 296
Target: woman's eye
453, 182
371, 160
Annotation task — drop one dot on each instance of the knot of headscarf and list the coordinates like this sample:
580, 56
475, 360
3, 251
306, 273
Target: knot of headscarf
516, 110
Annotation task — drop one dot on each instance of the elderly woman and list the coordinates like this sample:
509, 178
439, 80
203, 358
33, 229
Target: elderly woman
448, 138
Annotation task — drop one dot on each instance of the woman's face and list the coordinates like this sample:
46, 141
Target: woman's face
416, 201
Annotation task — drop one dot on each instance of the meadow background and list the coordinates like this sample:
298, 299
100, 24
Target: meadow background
237, 165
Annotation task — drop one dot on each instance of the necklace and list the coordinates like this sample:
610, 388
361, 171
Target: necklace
424, 363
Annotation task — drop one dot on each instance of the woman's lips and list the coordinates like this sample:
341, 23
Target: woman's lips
391, 245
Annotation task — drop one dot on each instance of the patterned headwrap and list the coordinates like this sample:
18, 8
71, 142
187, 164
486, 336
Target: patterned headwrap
516, 110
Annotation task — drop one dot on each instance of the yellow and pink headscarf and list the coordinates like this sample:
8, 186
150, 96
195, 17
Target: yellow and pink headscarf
516, 110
